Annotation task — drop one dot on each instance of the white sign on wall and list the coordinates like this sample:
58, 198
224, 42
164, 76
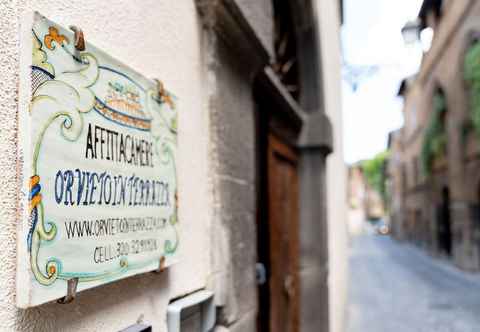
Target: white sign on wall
97, 148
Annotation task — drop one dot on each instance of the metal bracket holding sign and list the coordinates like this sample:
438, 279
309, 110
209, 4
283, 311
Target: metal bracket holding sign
197, 311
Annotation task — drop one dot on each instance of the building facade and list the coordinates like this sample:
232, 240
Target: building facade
258, 84
434, 175
395, 186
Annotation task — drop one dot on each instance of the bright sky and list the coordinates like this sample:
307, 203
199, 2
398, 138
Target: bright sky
372, 37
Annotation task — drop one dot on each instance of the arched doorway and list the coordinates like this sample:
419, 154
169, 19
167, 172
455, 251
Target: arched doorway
444, 224
293, 235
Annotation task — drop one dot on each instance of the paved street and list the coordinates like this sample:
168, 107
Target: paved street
397, 288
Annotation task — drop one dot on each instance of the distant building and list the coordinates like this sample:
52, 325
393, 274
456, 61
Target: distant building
434, 169
364, 202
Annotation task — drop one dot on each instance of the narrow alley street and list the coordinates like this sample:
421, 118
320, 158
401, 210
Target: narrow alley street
395, 287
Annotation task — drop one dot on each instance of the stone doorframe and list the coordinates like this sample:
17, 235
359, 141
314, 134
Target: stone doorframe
231, 37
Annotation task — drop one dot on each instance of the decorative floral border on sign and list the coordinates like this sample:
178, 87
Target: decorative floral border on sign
49, 97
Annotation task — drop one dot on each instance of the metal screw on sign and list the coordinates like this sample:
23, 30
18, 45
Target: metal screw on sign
161, 265
71, 291
79, 39
163, 95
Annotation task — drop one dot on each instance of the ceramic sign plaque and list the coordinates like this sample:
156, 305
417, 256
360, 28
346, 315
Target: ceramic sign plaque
97, 147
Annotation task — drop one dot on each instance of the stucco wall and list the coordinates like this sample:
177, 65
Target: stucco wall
329, 25
160, 39
164, 39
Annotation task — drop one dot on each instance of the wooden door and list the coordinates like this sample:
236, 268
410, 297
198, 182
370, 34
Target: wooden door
283, 277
